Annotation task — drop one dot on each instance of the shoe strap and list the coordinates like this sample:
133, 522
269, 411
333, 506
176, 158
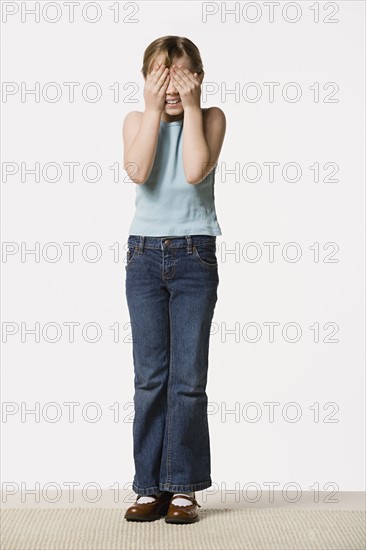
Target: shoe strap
192, 499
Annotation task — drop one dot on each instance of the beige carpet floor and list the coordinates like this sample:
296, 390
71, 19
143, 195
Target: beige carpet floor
218, 529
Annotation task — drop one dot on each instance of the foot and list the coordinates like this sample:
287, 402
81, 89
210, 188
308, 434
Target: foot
149, 511
182, 514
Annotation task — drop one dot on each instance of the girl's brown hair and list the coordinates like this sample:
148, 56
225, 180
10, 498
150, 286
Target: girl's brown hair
172, 47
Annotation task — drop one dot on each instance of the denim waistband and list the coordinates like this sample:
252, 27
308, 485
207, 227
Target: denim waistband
188, 241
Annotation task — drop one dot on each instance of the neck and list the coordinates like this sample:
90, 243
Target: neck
168, 118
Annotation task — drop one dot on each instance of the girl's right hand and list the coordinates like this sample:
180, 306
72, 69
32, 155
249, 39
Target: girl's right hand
156, 84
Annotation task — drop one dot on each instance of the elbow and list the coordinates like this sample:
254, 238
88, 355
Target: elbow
194, 177
194, 180
198, 175
135, 175
137, 180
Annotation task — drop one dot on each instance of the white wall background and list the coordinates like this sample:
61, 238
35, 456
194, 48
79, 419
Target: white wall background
320, 376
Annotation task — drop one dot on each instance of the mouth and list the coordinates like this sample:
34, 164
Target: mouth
173, 102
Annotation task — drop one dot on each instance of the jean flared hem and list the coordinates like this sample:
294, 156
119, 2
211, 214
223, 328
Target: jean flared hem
171, 487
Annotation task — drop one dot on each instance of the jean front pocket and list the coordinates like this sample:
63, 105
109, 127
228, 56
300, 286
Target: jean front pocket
206, 255
131, 253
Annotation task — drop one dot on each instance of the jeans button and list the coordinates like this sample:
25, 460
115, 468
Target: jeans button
167, 241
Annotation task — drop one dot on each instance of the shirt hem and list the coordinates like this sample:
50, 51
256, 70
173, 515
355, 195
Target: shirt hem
215, 232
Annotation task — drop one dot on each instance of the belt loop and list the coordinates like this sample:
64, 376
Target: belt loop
141, 244
189, 244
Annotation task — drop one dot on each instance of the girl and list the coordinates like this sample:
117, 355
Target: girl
170, 152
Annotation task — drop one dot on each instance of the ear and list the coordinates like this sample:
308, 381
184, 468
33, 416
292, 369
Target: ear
201, 76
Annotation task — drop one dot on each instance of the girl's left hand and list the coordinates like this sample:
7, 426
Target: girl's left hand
188, 86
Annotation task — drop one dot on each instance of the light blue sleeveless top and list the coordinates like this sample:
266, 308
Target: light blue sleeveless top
166, 204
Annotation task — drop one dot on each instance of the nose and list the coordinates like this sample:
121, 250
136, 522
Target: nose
171, 89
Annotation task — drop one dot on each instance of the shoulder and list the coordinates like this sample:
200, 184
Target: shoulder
214, 117
133, 114
214, 121
132, 118
214, 113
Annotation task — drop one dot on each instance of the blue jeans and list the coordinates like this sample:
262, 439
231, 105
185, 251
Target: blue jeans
171, 291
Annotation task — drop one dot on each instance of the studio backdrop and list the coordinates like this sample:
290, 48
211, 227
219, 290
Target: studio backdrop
286, 384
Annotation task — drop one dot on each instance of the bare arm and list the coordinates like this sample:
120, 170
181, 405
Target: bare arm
141, 130
203, 136
140, 137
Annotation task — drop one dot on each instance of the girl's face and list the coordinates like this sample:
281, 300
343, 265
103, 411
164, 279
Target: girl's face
174, 111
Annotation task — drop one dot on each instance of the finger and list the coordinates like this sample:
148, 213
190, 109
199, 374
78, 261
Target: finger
153, 71
162, 84
185, 74
177, 77
175, 80
160, 70
155, 75
161, 78
162, 75
182, 72
166, 83
181, 79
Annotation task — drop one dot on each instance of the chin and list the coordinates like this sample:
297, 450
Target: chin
173, 112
